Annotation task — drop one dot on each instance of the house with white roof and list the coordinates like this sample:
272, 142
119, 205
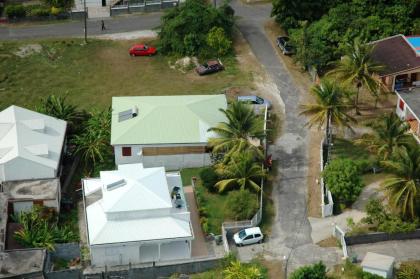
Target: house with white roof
169, 131
31, 144
136, 215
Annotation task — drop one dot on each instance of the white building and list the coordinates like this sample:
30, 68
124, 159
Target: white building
169, 131
136, 215
31, 145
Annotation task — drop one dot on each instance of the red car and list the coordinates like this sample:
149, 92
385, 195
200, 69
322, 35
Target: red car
142, 50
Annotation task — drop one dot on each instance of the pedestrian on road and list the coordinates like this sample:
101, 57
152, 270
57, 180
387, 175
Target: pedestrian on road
103, 25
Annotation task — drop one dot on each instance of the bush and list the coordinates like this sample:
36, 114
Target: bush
209, 177
37, 10
218, 41
343, 178
15, 11
185, 28
241, 205
316, 271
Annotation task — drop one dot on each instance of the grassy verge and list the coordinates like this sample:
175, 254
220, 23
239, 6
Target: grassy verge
91, 74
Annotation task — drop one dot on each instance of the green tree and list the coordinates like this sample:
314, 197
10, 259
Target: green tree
93, 143
236, 270
389, 134
185, 28
357, 67
330, 108
241, 172
58, 107
344, 180
218, 41
241, 205
403, 189
237, 134
315, 271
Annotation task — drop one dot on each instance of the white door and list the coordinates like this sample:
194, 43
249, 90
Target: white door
248, 239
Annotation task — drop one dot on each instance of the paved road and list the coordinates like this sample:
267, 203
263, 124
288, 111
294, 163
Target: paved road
291, 232
75, 28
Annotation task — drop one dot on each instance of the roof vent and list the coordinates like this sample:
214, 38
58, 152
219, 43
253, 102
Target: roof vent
128, 114
116, 184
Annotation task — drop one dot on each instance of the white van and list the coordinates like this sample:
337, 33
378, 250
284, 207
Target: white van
248, 236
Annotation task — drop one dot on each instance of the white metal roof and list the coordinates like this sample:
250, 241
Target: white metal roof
103, 231
377, 261
31, 135
144, 189
135, 206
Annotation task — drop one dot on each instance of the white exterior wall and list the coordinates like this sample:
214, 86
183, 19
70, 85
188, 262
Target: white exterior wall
382, 273
170, 162
401, 113
21, 169
137, 252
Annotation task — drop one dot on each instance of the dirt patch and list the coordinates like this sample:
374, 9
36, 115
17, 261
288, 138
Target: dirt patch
184, 64
275, 269
27, 50
328, 242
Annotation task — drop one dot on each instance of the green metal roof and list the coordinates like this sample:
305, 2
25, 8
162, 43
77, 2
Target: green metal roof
166, 119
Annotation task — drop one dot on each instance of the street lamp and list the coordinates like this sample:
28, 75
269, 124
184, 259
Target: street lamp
285, 259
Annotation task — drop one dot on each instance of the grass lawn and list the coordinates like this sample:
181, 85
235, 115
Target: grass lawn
91, 74
213, 202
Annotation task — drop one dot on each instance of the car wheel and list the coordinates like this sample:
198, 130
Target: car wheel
261, 241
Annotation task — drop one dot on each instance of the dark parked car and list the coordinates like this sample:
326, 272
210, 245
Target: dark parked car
212, 66
284, 44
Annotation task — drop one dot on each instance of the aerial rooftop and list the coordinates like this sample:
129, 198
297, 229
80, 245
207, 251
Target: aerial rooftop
165, 119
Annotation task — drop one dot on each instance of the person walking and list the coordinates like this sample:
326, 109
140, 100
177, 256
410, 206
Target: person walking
103, 25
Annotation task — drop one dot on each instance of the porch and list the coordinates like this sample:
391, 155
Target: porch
408, 109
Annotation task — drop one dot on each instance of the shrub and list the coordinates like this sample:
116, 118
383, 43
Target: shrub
408, 271
15, 11
55, 11
184, 29
315, 271
218, 41
209, 177
343, 178
37, 10
241, 205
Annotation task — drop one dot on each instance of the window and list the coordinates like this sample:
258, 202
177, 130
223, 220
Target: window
126, 151
401, 104
249, 237
257, 235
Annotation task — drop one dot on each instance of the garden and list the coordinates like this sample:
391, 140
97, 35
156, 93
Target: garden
46, 9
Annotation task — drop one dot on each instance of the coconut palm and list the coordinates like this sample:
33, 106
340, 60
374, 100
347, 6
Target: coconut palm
330, 108
404, 188
390, 133
357, 67
237, 134
58, 107
242, 171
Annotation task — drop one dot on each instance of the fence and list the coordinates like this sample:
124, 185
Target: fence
341, 236
380, 236
327, 203
142, 6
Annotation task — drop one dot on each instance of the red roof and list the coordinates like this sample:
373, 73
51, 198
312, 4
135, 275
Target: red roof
395, 54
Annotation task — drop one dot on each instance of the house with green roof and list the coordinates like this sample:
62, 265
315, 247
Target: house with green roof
169, 131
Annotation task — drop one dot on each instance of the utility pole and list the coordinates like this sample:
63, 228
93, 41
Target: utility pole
85, 12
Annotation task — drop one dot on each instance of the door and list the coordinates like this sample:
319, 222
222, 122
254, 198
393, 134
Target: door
249, 239
257, 237
103, 3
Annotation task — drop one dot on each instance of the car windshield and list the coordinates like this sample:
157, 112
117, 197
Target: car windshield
259, 101
242, 234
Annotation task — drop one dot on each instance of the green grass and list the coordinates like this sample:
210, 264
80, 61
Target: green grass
213, 202
91, 74
348, 150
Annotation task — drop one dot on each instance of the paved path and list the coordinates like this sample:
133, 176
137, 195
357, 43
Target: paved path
75, 28
291, 229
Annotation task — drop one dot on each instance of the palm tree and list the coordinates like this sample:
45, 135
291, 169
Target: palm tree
390, 133
357, 67
58, 107
404, 188
236, 135
242, 171
236, 270
330, 108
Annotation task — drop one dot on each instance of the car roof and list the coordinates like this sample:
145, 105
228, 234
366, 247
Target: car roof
212, 62
139, 45
253, 230
247, 98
